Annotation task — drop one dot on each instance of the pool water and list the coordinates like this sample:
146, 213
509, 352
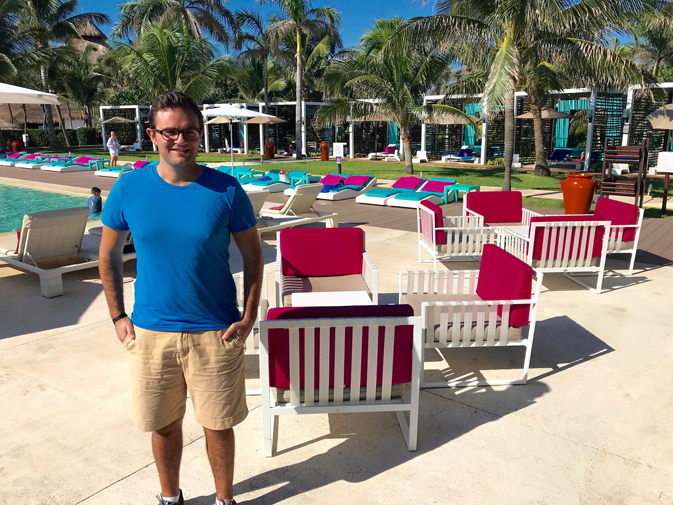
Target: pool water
16, 201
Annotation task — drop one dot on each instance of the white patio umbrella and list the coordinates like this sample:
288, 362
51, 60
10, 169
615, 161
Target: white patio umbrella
234, 115
16, 94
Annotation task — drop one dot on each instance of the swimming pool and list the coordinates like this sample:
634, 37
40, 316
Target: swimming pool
15, 201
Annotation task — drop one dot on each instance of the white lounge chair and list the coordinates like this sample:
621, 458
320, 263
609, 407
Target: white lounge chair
421, 157
257, 199
51, 244
290, 214
384, 154
394, 157
464, 151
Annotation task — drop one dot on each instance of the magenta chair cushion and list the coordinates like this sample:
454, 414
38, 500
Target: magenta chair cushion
331, 179
618, 213
552, 248
357, 180
435, 186
140, 163
496, 206
502, 276
15, 154
321, 252
390, 150
279, 344
408, 182
82, 160
440, 235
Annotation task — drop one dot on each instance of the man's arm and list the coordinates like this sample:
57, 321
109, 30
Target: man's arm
110, 268
253, 272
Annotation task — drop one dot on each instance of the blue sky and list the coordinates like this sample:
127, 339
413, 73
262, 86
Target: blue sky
357, 15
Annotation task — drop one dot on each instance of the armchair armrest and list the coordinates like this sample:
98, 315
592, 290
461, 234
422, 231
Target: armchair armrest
279, 275
370, 274
527, 214
467, 221
513, 243
438, 282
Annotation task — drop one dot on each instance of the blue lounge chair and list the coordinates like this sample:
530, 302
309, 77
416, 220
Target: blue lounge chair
350, 187
270, 181
380, 196
432, 191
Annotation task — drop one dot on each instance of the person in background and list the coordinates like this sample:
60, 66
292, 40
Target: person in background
113, 145
95, 202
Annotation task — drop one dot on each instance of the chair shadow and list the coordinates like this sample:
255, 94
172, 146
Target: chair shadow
370, 447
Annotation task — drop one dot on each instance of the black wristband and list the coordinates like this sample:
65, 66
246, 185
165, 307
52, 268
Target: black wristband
120, 316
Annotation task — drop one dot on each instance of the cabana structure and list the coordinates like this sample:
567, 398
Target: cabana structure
216, 136
126, 132
637, 127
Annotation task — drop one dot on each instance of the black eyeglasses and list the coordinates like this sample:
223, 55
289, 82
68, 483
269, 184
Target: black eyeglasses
190, 134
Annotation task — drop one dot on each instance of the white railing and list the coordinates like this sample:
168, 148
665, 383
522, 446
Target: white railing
370, 274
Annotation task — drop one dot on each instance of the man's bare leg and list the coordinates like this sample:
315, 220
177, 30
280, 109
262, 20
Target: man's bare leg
167, 449
221, 447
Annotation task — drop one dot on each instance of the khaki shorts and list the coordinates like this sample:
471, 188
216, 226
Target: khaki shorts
164, 365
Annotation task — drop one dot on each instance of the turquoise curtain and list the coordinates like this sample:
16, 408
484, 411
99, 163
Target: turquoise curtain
472, 109
242, 131
562, 125
393, 133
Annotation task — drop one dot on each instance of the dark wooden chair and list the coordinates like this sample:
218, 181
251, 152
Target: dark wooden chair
626, 185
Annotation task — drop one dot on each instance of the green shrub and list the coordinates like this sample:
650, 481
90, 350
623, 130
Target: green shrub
89, 136
72, 137
499, 161
38, 137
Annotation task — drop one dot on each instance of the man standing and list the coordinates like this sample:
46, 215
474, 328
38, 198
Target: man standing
186, 332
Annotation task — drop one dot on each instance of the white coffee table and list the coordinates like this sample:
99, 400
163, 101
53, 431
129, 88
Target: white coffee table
331, 299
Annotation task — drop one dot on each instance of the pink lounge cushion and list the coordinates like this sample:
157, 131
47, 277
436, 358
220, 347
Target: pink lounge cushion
279, 352
278, 207
321, 252
357, 180
390, 150
618, 213
440, 235
408, 182
32, 156
435, 186
140, 163
502, 276
496, 206
331, 179
15, 154
551, 253
82, 160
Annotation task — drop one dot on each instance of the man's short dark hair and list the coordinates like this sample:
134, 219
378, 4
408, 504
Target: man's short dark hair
95, 190
173, 100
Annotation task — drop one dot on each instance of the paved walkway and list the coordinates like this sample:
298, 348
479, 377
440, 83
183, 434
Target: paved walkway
591, 426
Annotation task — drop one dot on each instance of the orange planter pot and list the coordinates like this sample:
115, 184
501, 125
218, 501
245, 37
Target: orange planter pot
578, 193
324, 151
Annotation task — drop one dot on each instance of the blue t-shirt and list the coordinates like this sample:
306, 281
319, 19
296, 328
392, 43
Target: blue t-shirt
95, 205
181, 238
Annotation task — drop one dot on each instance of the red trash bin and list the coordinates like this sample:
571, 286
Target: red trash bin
269, 149
324, 151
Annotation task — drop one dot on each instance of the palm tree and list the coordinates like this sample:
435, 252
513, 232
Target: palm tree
80, 82
653, 38
12, 43
302, 23
256, 81
163, 58
49, 24
534, 44
257, 47
364, 82
197, 17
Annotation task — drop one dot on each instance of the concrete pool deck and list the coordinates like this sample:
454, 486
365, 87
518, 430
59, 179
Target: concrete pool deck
591, 426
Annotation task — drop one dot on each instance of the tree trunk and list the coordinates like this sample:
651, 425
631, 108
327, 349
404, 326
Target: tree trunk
11, 116
298, 118
541, 168
509, 141
49, 118
265, 129
405, 138
62, 124
69, 115
25, 118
